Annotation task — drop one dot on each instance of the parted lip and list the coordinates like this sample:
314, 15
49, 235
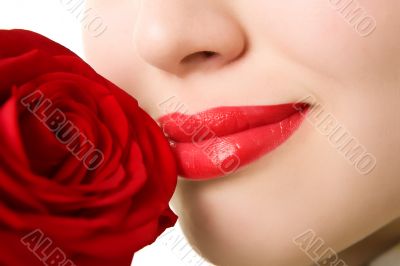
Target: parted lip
218, 141
224, 121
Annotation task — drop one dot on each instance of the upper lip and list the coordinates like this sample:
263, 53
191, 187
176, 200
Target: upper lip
224, 121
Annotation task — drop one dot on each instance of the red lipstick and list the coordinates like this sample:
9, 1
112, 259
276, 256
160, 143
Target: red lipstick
218, 141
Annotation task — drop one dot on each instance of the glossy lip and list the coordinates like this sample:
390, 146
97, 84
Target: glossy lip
218, 141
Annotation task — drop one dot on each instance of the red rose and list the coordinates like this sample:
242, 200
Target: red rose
85, 174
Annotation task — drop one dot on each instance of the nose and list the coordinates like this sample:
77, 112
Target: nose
181, 36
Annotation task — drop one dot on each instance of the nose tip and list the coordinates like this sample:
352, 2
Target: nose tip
186, 41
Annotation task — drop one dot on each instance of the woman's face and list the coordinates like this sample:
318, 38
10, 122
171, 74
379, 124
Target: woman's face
267, 52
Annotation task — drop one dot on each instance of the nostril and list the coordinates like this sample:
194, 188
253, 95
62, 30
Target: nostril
209, 54
199, 57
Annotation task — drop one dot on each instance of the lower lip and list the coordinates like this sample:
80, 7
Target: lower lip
221, 156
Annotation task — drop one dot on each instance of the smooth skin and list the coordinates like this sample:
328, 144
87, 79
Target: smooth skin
266, 52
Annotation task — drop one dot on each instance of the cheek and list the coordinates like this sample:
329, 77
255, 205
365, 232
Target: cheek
320, 37
113, 53
115, 56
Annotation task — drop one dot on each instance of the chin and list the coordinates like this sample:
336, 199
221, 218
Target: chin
229, 225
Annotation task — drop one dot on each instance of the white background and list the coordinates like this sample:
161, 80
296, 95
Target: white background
50, 18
